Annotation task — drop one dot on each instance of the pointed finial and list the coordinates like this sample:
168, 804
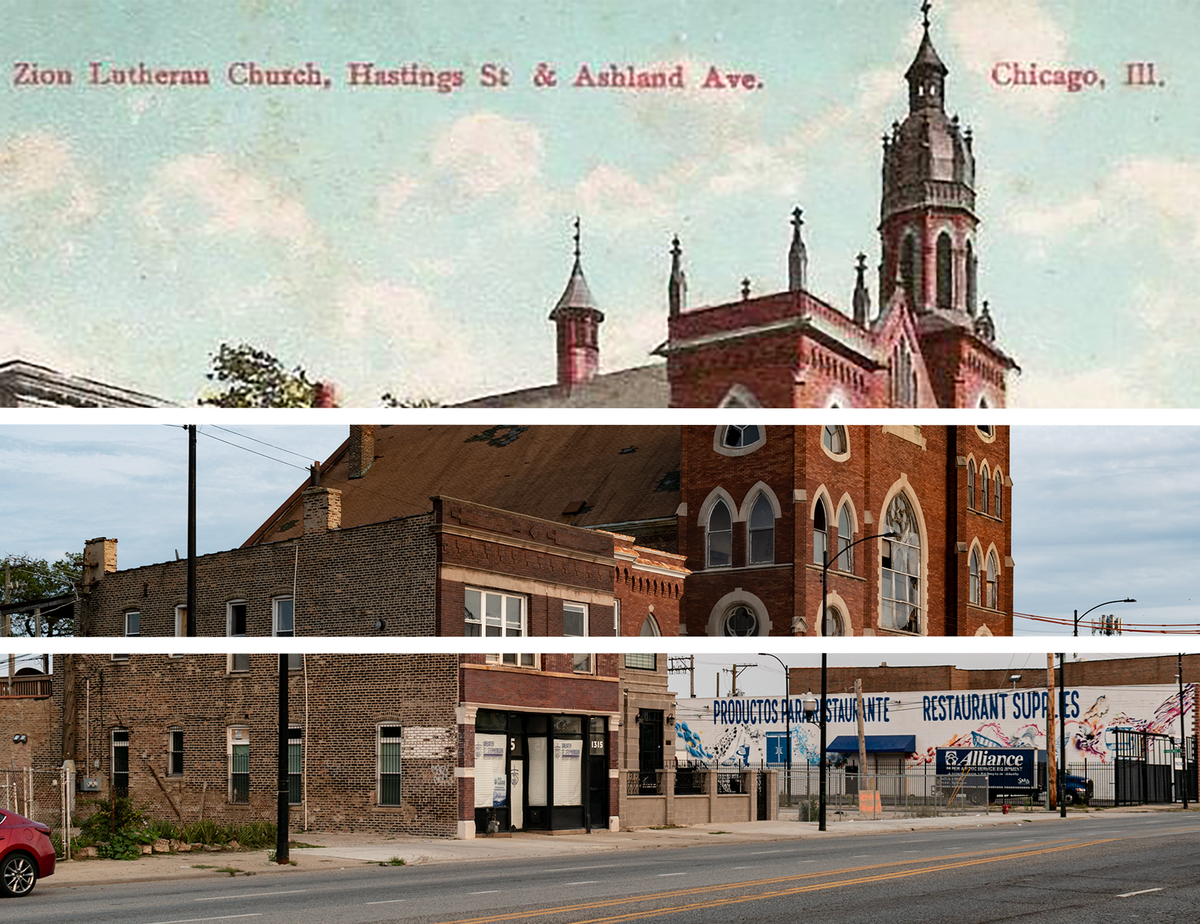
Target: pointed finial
746, 288
676, 250
797, 219
677, 283
577, 236
925, 8
861, 300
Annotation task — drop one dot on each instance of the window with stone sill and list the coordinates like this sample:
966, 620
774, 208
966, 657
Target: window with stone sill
492, 614
993, 582
901, 566
719, 536
235, 627
974, 572
833, 438
999, 506
845, 557
971, 483
175, 751
514, 659
389, 742
761, 531
820, 533
985, 480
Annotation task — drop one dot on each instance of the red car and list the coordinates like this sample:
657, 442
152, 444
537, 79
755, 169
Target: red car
25, 854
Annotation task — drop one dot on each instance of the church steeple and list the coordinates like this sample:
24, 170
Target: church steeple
797, 255
926, 76
578, 322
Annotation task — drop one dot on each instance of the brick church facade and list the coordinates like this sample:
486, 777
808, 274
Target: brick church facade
932, 342
608, 530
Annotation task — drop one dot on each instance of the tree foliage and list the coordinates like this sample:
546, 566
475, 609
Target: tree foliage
39, 579
250, 377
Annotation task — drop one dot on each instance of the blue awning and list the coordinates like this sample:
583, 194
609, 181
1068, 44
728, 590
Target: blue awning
876, 744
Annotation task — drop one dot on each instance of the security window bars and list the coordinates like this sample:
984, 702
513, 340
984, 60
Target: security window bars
640, 661
239, 774
295, 764
120, 762
390, 742
175, 752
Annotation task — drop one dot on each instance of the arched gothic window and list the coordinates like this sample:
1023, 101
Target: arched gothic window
945, 272
903, 376
971, 483
993, 574
901, 590
739, 437
974, 597
985, 481
999, 506
762, 531
910, 268
845, 559
972, 274
820, 533
834, 439
835, 623
719, 536
650, 626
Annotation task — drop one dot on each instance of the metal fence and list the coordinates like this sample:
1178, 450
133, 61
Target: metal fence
905, 794
43, 795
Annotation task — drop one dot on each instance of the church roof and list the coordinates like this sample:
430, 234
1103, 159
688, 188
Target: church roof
641, 386
612, 475
576, 295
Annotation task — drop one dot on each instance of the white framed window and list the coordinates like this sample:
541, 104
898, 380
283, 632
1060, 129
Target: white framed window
493, 614
175, 751
761, 531
974, 569
133, 623
582, 663
283, 624
738, 439
971, 483
999, 505
985, 482
514, 659
617, 617
575, 619
283, 617
993, 582
719, 536
389, 744
181, 620
901, 590
238, 752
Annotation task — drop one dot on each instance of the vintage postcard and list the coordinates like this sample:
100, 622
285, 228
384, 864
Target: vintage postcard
966, 203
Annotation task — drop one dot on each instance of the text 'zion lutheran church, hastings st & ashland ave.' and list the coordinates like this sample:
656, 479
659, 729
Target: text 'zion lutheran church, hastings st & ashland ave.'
717, 530
931, 344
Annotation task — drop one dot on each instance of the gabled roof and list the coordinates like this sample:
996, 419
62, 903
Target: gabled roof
642, 386
612, 475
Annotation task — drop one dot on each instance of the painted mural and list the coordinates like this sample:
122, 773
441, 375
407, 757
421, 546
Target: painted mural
749, 731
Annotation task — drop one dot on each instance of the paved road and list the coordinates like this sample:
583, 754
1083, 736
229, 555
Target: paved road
1093, 870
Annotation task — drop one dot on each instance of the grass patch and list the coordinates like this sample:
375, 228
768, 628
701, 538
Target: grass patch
394, 861
718, 832
300, 845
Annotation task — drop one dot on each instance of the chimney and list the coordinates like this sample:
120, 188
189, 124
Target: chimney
322, 510
362, 449
99, 559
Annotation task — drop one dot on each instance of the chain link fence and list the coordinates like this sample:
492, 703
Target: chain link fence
42, 795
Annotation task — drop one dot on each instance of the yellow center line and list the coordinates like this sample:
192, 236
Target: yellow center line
960, 861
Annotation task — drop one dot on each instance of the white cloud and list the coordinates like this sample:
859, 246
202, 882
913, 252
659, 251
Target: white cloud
1096, 387
488, 153
986, 33
395, 195
234, 203
38, 167
616, 198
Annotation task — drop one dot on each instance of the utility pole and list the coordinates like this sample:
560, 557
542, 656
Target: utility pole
281, 801
1187, 784
734, 670
685, 666
862, 737
190, 616
1051, 764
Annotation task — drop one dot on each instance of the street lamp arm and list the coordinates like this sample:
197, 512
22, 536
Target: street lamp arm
1096, 607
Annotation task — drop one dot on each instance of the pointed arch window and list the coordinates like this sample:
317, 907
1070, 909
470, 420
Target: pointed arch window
762, 531
834, 439
835, 623
820, 533
971, 483
650, 627
945, 272
845, 559
903, 376
719, 536
910, 268
999, 495
972, 274
741, 437
901, 590
993, 576
985, 481
974, 597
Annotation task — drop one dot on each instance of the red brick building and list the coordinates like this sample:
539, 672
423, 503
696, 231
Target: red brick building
932, 342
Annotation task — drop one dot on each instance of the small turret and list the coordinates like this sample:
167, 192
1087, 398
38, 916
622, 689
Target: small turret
797, 255
862, 298
578, 321
677, 284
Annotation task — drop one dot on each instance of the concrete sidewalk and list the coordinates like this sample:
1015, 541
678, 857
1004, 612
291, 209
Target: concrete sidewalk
338, 850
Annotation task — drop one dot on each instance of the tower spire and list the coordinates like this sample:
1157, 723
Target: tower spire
578, 320
926, 75
677, 283
862, 298
797, 255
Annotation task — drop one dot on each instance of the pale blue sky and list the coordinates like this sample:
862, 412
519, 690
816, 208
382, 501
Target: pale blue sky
411, 241
1099, 513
